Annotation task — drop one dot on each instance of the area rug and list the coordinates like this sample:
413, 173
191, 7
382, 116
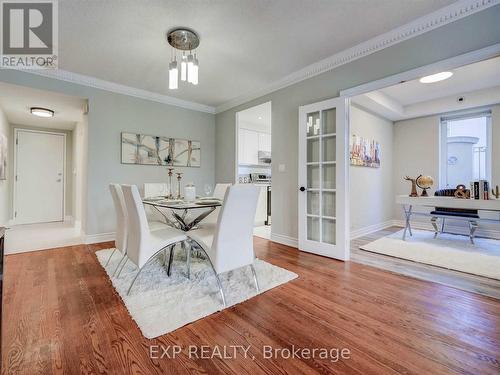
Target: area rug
450, 251
160, 304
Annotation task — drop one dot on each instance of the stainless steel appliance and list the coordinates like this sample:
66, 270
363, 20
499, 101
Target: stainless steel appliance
260, 178
264, 157
268, 220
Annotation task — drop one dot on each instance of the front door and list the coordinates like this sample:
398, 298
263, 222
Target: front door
323, 178
39, 177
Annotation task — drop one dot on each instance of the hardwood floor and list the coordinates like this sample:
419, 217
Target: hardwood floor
62, 316
471, 283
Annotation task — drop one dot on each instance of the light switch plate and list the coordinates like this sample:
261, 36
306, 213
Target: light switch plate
281, 167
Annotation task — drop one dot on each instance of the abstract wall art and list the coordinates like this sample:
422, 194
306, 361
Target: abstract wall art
364, 152
156, 150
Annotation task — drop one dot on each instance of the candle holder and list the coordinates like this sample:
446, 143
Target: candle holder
170, 173
179, 177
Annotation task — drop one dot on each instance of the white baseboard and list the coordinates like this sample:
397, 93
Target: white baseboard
284, 240
100, 237
370, 229
68, 219
480, 232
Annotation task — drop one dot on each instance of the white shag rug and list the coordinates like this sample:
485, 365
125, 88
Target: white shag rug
160, 304
447, 250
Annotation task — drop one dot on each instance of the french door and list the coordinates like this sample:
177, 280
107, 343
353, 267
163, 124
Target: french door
323, 178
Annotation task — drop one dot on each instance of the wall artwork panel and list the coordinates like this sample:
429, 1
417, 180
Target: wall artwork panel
364, 152
155, 150
3, 157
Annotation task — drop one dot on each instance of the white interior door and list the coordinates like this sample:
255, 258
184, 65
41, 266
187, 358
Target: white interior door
39, 177
323, 178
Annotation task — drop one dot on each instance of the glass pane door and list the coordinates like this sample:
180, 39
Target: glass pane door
321, 139
323, 176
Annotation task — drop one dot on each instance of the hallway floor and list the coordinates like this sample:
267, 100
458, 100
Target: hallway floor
30, 237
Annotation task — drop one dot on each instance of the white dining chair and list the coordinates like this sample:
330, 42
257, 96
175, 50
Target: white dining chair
229, 245
144, 245
121, 224
219, 193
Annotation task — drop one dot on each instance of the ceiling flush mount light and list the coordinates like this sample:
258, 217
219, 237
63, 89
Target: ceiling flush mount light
183, 39
41, 112
436, 77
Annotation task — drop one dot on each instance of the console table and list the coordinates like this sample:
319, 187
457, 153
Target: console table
449, 202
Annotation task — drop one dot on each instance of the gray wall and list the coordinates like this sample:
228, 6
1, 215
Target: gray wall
471, 33
4, 184
371, 189
109, 115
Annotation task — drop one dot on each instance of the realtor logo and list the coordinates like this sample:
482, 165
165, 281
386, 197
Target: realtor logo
29, 34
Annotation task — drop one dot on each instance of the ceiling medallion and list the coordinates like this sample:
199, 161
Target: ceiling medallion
183, 39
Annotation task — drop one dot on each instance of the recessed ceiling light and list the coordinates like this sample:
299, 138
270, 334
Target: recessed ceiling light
41, 112
436, 77
260, 117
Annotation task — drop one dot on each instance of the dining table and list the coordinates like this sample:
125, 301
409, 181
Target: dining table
186, 215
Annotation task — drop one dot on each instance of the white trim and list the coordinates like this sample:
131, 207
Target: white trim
448, 64
100, 237
370, 229
481, 232
431, 21
84, 80
285, 240
13, 220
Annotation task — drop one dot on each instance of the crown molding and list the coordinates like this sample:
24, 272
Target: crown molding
431, 21
80, 79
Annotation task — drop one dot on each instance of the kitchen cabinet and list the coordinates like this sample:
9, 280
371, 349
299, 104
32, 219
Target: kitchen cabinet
250, 142
264, 142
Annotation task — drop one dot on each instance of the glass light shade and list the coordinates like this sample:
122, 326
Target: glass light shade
41, 112
194, 80
436, 77
183, 68
173, 76
190, 68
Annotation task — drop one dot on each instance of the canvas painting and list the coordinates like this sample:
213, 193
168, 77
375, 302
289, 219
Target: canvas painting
3, 157
156, 150
364, 152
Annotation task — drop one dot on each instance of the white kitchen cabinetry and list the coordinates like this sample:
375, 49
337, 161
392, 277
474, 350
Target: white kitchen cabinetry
264, 142
250, 142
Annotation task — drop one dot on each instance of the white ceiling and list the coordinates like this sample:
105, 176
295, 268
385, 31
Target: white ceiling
258, 117
245, 45
478, 83
16, 102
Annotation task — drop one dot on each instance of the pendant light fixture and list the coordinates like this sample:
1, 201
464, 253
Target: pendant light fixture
183, 39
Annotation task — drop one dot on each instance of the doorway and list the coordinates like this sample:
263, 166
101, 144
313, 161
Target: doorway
253, 160
40, 179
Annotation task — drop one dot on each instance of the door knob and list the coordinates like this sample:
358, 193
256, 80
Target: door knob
302, 188
58, 180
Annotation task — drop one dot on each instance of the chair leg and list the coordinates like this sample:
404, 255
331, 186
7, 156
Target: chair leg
170, 260
221, 291
255, 278
118, 265
111, 256
121, 269
442, 225
135, 278
434, 224
188, 259
472, 230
